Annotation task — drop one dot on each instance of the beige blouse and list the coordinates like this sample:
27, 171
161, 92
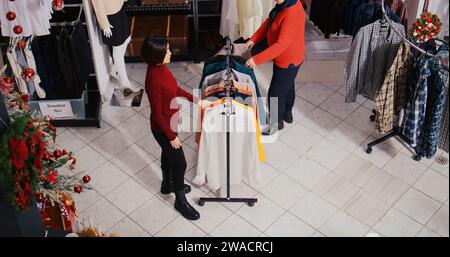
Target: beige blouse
103, 8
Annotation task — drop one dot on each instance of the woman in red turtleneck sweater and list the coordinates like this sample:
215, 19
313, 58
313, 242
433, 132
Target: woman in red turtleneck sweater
162, 89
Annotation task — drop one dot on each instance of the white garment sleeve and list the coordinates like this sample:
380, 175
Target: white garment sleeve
32, 64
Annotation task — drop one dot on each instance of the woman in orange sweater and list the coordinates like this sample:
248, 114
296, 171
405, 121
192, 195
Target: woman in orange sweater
281, 38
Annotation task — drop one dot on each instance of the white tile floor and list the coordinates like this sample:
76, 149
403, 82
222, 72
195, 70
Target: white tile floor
317, 180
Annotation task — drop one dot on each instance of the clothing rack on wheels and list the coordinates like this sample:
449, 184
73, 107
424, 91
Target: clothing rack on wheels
228, 112
396, 132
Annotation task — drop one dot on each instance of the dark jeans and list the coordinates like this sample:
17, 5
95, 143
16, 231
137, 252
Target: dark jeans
282, 85
173, 161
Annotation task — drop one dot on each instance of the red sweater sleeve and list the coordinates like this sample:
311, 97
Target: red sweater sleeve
261, 33
286, 36
183, 93
155, 105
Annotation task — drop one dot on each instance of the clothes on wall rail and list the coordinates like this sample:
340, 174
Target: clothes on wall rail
348, 16
33, 16
63, 61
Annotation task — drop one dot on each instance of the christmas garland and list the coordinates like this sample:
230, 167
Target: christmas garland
426, 27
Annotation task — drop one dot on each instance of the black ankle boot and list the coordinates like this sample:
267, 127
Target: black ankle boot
167, 184
289, 118
184, 208
273, 128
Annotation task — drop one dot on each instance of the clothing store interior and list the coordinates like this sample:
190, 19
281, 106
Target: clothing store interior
224, 118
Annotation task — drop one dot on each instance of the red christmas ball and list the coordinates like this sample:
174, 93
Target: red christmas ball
39, 198
11, 16
57, 153
46, 156
86, 179
18, 29
22, 44
28, 74
58, 5
8, 80
78, 189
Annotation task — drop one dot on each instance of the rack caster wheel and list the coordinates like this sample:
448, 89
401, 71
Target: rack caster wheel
369, 150
417, 158
201, 203
372, 118
251, 204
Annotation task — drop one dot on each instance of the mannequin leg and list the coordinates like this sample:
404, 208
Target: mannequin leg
118, 68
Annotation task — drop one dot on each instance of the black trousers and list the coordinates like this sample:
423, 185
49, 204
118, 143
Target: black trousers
173, 161
282, 86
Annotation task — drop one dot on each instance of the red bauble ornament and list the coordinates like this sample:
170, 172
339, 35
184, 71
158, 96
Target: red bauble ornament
28, 74
57, 153
78, 189
22, 44
11, 16
8, 80
18, 29
86, 179
46, 156
39, 198
58, 5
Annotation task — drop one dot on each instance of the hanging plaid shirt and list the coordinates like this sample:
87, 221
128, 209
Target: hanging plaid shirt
392, 93
373, 51
429, 138
415, 111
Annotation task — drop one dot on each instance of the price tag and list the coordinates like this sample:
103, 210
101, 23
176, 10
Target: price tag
60, 109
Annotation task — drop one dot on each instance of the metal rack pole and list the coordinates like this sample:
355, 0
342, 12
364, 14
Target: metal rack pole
228, 112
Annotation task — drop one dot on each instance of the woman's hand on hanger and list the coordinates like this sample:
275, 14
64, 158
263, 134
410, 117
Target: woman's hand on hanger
108, 31
250, 63
205, 104
250, 44
176, 143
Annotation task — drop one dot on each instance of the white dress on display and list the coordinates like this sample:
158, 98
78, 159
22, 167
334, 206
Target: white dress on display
229, 22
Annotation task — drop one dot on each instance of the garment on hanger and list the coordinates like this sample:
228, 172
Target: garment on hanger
350, 14
392, 97
428, 141
244, 140
369, 13
229, 21
372, 53
251, 15
11, 55
32, 15
328, 15
32, 64
63, 61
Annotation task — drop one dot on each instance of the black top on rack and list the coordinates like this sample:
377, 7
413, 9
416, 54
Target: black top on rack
159, 9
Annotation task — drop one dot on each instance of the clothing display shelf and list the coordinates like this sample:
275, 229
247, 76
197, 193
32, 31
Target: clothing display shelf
134, 10
228, 111
206, 16
396, 132
93, 102
160, 9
